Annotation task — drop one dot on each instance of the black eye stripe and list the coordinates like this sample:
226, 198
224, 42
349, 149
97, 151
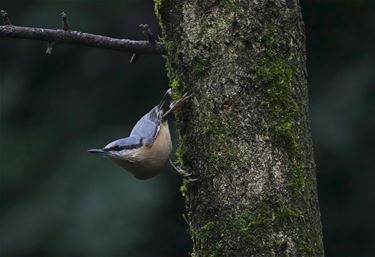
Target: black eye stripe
114, 148
118, 148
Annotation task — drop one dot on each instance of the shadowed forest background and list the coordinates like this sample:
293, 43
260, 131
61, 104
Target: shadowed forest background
58, 200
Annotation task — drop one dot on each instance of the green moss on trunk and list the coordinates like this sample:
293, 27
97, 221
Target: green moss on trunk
244, 134
277, 71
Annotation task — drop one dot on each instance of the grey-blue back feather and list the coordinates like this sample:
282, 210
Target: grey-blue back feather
148, 126
124, 143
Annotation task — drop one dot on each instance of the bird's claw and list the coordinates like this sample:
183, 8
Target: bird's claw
186, 175
176, 104
180, 101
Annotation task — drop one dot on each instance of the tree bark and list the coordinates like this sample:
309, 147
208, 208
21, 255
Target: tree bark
245, 134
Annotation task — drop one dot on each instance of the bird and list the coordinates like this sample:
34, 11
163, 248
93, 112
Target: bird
145, 152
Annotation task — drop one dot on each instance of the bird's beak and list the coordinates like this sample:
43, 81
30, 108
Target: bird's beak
97, 151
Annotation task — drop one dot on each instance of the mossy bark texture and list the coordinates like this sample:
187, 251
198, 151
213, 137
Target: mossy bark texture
245, 133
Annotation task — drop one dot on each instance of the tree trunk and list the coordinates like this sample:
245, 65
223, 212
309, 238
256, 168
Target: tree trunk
245, 134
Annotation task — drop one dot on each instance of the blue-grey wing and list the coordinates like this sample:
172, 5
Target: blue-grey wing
148, 126
124, 143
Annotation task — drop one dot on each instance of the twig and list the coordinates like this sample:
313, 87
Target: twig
64, 20
50, 48
134, 58
80, 38
148, 33
5, 17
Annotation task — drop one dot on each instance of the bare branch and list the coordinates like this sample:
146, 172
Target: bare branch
60, 36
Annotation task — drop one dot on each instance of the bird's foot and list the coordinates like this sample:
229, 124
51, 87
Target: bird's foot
177, 104
186, 175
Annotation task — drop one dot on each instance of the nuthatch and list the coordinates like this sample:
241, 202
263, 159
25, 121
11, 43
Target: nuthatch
146, 151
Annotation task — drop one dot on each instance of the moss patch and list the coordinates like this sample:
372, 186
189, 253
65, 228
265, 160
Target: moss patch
244, 223
276, 71
181, 150
220, 133
279, 77
175, 80
159, 8
307, 249
250, 224
228, 4
266, 218
169, 45
207, 241
176, 85
200, 66
184, 189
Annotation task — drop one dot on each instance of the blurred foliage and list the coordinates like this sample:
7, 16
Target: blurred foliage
57, 200
341, 65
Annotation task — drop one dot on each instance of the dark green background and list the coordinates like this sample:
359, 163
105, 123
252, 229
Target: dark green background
57, 200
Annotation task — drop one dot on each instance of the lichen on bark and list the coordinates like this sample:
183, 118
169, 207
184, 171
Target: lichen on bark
245, 132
